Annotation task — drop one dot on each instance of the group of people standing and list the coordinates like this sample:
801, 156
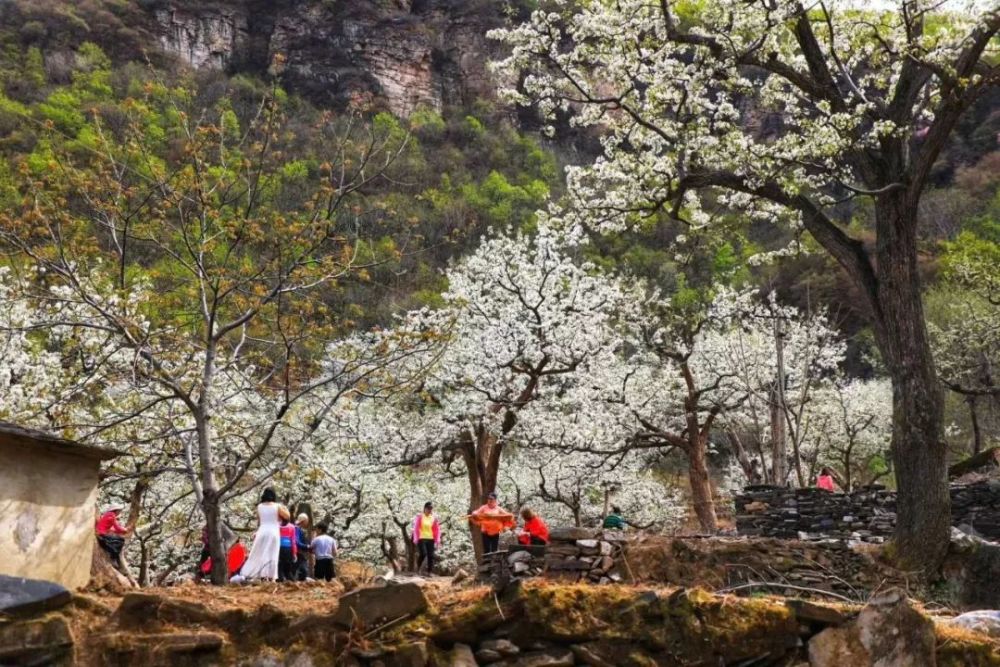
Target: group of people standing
490, 518
281, 549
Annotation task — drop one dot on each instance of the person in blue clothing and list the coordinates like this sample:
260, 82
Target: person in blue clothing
302, 551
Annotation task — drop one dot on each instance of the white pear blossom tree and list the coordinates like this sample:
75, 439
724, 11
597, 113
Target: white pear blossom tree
174, 264
850, 427
520, 320
858, 102
781, 356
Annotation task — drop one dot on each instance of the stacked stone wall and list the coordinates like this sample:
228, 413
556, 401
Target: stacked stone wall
572, 555
867, 514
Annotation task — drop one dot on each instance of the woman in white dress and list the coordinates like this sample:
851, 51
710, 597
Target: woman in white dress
262, 563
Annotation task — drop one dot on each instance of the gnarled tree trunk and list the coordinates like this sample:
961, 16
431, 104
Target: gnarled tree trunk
918, 449
701, 487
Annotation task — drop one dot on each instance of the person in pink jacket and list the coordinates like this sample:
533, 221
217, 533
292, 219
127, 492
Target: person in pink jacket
825, 480
427, 536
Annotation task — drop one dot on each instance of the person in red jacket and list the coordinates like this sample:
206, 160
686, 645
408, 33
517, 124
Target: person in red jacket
108, 523
110, 533
534, 531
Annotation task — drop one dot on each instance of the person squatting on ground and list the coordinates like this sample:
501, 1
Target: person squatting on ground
324, 548
492, 520
534, 531
426, 536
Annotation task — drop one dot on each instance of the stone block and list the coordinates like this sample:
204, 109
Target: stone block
571, 534
415, 654
553, 657
504, 647
37, 641
461, 656
369, 606
24, 597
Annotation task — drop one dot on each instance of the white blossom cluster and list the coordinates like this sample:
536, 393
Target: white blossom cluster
764, 102
569, 371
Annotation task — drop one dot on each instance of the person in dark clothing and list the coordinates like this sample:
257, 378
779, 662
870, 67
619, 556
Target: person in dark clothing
287, 551
204, 553
302, 547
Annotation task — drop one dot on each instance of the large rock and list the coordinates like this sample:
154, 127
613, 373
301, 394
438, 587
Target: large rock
504, 647
986, 621
887, 633
461, 656
40, 641
408, 54
415, 654
554, 657
25, 597
591, 655
816, 614
369, 606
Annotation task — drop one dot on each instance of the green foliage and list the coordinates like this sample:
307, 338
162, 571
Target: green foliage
452, 177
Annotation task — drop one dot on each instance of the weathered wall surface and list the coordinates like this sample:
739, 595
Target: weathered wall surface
867, 514
47, 515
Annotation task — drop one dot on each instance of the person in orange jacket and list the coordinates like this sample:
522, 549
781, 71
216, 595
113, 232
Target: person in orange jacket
492, 520
534, 531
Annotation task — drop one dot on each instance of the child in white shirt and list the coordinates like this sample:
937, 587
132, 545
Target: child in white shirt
324, 548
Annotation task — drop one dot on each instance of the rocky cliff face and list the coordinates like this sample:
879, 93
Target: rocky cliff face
406, 54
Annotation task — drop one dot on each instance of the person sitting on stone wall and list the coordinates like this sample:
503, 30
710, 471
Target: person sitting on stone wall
614, 521
825, 480
534, 531
110, 533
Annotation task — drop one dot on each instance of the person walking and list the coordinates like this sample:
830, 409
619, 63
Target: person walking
262, 563
426, 536
302, 547
492, 520
534, 531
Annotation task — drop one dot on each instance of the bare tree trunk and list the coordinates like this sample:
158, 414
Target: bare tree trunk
918, 449
779, 453
701, 487
746, 464
210, 504
977, 435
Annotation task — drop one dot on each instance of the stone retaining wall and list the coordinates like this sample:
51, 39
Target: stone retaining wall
868, 514
573, 554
